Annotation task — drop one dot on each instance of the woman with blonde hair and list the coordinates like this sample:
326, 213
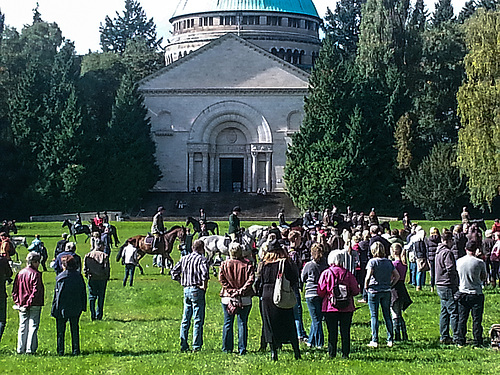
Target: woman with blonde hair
380, 277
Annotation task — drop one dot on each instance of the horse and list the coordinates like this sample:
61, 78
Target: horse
219, 245
211, 226
8, 226
165, 248
113, 234
84, 229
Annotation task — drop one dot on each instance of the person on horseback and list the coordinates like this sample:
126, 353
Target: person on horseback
234, 224
78, 222
98, 222
203, 215
158, 228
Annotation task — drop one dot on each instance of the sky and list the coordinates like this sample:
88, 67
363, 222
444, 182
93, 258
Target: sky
79, 20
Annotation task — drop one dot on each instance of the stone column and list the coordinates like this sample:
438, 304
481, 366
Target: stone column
268, 171
212, 172
204, 171
254, 172
190, 171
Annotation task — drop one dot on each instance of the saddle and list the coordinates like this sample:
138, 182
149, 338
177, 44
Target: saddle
227, 241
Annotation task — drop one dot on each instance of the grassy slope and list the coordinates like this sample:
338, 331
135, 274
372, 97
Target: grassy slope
141, 328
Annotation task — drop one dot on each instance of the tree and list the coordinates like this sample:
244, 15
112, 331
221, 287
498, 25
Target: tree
443, 12
343, 25
479, 108
130, 167
115, 33
436, 185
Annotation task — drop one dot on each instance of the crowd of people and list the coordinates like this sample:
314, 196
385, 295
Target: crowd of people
329, 261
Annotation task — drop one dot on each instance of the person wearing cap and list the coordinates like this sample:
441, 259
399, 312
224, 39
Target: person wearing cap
28, 296
234, 224
472, 274
158, 228
61, 245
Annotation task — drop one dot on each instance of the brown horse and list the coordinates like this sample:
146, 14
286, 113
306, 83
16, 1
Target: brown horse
165, 248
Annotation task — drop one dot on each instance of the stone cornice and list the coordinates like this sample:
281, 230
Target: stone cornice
225, 91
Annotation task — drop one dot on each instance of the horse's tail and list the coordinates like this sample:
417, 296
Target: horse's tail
217, 228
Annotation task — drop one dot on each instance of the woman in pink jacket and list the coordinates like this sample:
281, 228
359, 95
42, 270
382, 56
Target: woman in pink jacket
336, 275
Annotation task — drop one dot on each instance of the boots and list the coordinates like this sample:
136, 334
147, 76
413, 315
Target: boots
274, 352
296, 350
397, 329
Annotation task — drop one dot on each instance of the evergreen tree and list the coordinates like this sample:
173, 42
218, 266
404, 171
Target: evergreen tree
115, 33
130, 169
479, 108
443, 12
467, 11
343, 25
436, 185
140, 60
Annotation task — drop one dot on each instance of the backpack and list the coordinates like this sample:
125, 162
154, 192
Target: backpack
340, 298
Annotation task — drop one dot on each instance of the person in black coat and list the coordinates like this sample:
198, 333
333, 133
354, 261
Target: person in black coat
70, 300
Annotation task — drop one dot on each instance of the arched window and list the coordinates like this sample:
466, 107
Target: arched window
288, 55
281, 53
295, 57
274, 51
301, 55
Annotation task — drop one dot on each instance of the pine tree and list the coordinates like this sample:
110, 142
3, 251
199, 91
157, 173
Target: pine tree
130, 168
443, 12
479, 108
116, 33
343, 25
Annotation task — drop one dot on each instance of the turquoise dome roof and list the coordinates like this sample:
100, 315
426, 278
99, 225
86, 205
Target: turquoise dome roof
186, 7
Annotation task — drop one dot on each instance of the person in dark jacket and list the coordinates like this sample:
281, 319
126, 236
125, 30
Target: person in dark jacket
69, 250
459, 241
375, 231
70, 300
420, 249
487, 247
447, 286
61, 245
433, 241
5, 274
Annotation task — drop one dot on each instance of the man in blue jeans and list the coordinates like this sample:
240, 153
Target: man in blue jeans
192, 272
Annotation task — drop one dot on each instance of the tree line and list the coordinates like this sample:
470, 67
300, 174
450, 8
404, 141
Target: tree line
75, 134
402, 110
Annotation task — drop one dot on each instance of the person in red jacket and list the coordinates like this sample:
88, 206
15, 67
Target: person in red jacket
496, 226
28, 294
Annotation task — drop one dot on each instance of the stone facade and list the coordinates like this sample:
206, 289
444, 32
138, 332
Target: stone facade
222, 117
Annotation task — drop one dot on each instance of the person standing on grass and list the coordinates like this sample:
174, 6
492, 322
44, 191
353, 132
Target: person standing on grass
96, 269
337, 316
192, 272
310, 277
236, 276
447, 286
70, 300
28, 295
129, 260
5, 275
472, 274
380, 277
400, 299
61, 245
70, 250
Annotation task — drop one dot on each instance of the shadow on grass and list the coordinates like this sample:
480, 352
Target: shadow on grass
127, 353
144, 319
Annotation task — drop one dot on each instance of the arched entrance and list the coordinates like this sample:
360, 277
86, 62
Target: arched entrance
230, 149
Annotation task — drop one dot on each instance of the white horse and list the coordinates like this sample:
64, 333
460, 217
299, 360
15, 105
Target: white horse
219, 245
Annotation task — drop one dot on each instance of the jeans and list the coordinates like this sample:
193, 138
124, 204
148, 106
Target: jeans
3, 315
333, 320
27, 336
421, 278
449, 313
474, 304
75, 334
432, 264
297, 315
97, 291
316, 335
129, 270
228, 332
382, 299
194, 307
413, 273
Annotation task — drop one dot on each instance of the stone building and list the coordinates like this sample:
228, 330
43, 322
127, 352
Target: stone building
223, 109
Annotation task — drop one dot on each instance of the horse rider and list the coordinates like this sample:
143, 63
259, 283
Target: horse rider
234, 224
78, 222
98, 222
158, 228
203, 215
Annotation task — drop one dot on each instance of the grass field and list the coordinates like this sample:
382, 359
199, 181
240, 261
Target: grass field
140, 331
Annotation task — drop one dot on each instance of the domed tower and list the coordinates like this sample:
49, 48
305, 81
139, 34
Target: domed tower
287, 28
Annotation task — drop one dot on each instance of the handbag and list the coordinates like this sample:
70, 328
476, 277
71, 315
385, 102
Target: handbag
283, 296
423, 265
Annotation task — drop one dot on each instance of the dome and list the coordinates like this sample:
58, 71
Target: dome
305, 7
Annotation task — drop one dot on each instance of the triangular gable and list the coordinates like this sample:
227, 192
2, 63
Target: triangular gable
227, 62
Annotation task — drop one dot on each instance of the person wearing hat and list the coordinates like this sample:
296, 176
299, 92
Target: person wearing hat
234, 224
158, 228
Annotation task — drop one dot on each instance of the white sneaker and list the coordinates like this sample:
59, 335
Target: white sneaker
373, 344
389, 344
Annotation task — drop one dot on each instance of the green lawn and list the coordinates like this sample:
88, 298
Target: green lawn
140, 332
